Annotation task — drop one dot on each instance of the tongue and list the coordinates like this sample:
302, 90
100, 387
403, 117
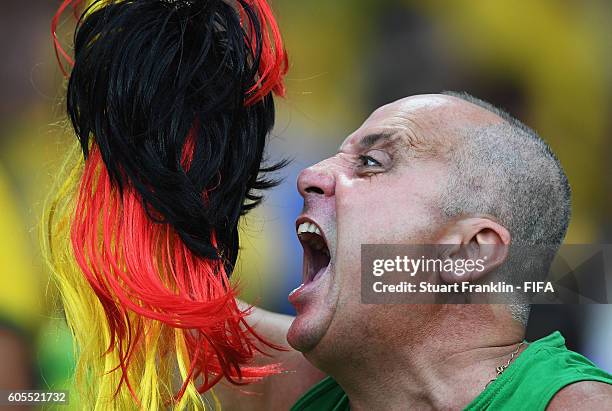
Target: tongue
318, 274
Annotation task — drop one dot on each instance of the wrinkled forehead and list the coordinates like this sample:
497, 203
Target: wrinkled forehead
409, 121
425, 122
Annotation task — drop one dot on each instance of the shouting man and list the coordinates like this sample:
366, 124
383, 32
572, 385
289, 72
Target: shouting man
430, 169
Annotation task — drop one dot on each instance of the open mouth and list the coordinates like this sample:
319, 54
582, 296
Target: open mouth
316, 252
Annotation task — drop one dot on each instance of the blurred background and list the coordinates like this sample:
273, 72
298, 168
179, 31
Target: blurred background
547, 62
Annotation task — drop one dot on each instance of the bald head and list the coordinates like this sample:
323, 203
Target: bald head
398, 179
433, 122
504, 169
497, 166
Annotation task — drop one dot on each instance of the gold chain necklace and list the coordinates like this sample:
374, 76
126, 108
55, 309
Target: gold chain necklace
500, 369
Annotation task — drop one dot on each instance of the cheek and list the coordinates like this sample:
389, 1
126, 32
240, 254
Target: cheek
383, 209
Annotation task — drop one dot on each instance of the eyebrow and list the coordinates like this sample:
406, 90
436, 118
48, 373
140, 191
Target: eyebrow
390, 136
371, 139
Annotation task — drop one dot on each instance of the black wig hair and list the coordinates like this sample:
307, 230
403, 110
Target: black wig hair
166, 90
171, 102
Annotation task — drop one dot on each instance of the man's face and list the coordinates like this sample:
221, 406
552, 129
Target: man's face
381, 187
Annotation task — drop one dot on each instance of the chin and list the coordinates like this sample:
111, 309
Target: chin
306, 331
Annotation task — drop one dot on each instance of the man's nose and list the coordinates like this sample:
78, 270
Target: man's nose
316, 180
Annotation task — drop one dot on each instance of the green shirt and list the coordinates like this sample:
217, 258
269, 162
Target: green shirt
529, 383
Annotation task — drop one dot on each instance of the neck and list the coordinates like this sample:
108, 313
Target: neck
445, 367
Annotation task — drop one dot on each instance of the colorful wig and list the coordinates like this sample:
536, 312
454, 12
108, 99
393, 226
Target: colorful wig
171, 102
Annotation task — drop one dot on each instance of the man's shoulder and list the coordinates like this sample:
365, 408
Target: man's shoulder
547, 375
588, 395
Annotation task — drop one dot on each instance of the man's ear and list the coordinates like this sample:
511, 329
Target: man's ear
481, 240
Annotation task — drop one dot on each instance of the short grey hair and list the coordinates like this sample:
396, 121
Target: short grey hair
507, 171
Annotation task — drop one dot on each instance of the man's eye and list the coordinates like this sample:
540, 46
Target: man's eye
367, 161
